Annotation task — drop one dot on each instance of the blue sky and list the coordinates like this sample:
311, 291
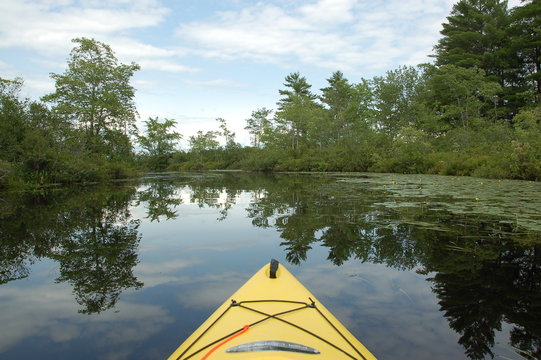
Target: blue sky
205, 59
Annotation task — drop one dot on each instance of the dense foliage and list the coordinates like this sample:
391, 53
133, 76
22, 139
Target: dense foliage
158, 143
83, 137
475, 111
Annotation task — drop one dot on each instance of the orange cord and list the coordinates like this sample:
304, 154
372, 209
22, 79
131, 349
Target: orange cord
244, 329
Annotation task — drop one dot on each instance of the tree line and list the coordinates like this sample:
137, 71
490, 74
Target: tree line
474, 111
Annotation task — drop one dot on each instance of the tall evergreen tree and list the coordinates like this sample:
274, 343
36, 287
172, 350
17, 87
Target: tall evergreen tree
13, 120
475, 36
297, 87
347, 107
338, 97
296, 109
525, 34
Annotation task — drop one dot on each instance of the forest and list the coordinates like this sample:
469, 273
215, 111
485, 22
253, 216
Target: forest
473, 111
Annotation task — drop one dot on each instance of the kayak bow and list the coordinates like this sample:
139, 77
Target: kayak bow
272, 316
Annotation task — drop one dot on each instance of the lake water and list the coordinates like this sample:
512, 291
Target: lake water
417, 267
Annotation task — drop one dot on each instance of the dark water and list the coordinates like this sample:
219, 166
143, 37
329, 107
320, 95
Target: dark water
417, 267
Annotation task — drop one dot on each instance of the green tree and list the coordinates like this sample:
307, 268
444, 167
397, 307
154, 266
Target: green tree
459, 95
303, 122
257, 125
159, 141
204, 141
525, 37
33, 140
338, 98
474, 36
297, 86
477, 35
12, 120
95, 94
395, 96
295, 109
349, 109
229, 136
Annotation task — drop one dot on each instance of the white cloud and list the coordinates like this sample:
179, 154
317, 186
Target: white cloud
38, 86
214, 83
153, 274
47, 27
329, 11
333, 34
205, 55
209, 291
50, 311
164, 65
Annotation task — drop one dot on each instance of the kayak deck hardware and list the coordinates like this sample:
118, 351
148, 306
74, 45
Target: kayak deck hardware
273, 345
273, 268
241, 304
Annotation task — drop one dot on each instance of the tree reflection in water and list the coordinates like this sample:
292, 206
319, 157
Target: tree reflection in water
91, 235
162, 198
485, 271
99, 255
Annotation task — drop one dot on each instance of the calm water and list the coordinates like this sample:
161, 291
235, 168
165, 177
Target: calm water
419, 267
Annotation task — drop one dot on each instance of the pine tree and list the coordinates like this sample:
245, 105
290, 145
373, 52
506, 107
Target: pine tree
525, 35
296, 109
475, 36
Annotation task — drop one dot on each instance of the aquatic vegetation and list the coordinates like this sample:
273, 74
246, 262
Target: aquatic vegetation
514, 202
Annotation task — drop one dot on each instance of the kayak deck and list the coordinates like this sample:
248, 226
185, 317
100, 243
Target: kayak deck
272, 316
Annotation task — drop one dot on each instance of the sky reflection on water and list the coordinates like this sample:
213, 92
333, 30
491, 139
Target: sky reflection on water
173, 248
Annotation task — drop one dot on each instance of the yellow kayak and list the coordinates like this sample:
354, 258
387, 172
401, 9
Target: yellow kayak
272, 316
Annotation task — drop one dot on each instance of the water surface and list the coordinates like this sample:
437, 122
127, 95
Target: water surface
422, 267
